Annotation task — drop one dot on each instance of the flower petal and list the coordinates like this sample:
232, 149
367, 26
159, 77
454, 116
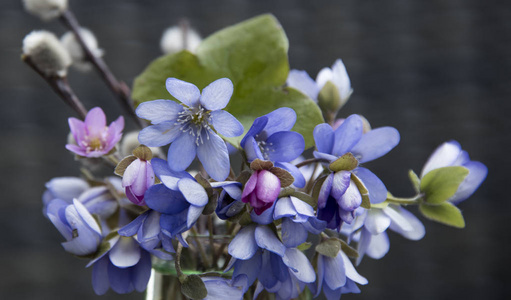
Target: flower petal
214, 157
77, 128
131, 173
167, 176
340, 183
182, 152
125, 253
120, 279
95, 122
347, 135
351, 273
100, 282
281, 119
351, 199
376, 188
295, 172
226, 124
299, 265
477, 174
444, 156
378, 246
194, 213
256, 128
252, 149
217, 94
284, 146
159, 135
375, 143
243, 246
376, 221
165, 200
183, 91
411, 227
159, 111
141, 272
324, 138
301, 81
193, 192
335, 276
325, 190
67, 188
340, 79
267, 239
293, 234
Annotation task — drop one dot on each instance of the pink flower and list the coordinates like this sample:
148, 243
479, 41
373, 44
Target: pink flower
93, 138
138, 177
261, 190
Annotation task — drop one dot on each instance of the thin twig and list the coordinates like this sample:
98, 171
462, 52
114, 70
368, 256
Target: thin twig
120, 89
310, 161
202, 253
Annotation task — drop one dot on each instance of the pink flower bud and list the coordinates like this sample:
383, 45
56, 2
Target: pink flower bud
261, 190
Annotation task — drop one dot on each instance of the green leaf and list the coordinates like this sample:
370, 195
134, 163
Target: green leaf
351, 252
441, 184
366, 203
304, 246
415, 181
330, 247
445, 213
193, 287
347, 162
253, 54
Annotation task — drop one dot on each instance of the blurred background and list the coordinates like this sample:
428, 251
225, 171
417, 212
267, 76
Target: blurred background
435, 70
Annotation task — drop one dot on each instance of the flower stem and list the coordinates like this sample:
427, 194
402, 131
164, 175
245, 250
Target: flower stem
120, 89
202, 253
417, 199
214, 257
310, 161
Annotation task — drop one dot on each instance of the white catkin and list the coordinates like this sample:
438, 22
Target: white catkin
46, 52
75, 49
172, 40
45, 9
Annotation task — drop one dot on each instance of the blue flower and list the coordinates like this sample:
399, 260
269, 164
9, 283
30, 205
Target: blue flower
180, 199
76, 224
336, 276
192, 126
259, 254
221, 288
229, 200
339, 196
270, 138
450, 154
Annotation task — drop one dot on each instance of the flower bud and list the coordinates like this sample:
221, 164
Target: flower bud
46, 52
76, 51
261, 190
138, 177
45, 9
178, 38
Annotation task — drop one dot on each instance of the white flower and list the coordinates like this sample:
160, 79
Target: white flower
175, 39
46, 53
45, 9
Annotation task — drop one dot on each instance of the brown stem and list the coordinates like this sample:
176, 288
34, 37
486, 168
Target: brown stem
310, 161
61, 86
120, 89
202, 253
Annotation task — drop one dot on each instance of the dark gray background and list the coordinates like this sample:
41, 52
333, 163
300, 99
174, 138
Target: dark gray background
435, 70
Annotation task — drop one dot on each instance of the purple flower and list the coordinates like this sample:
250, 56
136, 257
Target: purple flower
221, 288
259, 254
301, 81
270, 138
76, 224
229, 200
124, 267
339, 196
261, 190
369, 229
93, 138
191, 126
180, 199
336, 276
450, 154
138, 177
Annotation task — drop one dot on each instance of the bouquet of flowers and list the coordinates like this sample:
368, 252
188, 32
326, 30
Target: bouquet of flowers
256, 214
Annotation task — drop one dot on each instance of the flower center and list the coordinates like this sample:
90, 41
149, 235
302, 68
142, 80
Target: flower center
92, 144
195, 120
264, 147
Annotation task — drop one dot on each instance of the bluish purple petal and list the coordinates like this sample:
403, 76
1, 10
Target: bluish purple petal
324, 192
167, 176
221, 289
250, 267
165, 200
340, 183
335, 276
410, 227
266, 275
244, 245
226, 124
301, 207
194, 213
284, 208
444, 156
267, 239
214, 157
347, 135
293, 234
325, 156
256, 128
158, 111
159, 135
120, 279
266, 217
100, 282
324, 138
295, 172
252, 149
375, 143
299, 265
141, 272
193, 192
378, 246
477, 174
281, 119
183, 91
151, 227
376, 221
351, 199
182, 152
54, 211
332, 294
67, 188
301, 81
132, 228
376, 188
217, 94
284, 146
175, 224
125, 253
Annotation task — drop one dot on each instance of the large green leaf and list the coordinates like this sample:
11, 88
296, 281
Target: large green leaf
441, 184
445, 213
253, 54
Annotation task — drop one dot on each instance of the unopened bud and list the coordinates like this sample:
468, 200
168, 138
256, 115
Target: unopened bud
179, 38
76, 51
46, 52
45, 9
130, 142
